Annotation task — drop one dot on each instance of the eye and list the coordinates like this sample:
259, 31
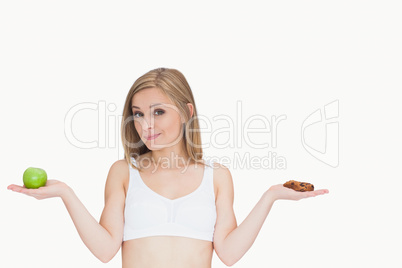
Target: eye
160, 111
157, 112
135, 113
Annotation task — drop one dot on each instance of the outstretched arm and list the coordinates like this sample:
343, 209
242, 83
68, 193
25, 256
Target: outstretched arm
103, 239
231, 242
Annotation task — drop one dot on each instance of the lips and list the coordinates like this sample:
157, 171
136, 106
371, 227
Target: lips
153, 136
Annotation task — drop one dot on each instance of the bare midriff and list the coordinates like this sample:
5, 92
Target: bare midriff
166, 252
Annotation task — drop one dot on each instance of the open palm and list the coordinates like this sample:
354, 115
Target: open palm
53, 188
281, 192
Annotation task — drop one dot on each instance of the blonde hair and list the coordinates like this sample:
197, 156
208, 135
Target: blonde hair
174, 85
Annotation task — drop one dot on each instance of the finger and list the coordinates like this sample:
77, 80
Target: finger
25, 190
321, 191
10, 187
317, 192
14, 187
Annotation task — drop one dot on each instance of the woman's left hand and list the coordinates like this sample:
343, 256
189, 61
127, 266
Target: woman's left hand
279, 191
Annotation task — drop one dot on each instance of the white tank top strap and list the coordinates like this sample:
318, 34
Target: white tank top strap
134, 176
209, 178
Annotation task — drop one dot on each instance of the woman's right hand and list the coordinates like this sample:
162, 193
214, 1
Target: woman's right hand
53, 188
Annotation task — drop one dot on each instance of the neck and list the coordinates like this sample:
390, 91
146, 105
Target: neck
170, 159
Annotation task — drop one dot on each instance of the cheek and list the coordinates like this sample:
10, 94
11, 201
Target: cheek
172, 123
167, 126
138, 127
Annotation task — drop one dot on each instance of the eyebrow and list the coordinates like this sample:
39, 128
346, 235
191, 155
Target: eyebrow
155, 104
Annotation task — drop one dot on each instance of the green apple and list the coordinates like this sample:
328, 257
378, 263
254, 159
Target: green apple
34, 178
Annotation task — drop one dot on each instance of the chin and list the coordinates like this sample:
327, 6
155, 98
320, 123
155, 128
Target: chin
153, 146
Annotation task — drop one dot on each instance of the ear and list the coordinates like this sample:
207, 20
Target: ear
191, 109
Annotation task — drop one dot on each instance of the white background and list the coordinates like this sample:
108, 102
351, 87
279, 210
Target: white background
278, 58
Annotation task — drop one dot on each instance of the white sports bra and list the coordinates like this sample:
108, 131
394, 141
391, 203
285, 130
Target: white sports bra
147, 213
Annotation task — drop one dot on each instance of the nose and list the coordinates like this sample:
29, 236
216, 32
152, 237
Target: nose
148, 122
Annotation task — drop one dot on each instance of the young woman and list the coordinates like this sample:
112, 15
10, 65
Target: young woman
166, 205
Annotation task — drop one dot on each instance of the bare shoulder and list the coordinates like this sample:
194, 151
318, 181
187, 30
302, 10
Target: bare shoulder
222, 176
220, 170
120, 166
119, 173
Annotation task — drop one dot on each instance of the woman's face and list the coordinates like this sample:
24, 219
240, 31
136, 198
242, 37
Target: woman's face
156, 119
